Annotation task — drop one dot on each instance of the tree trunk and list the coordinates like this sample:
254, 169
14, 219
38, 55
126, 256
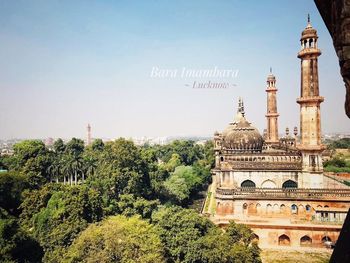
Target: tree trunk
75, 177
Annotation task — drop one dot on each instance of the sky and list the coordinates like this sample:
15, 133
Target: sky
64, 64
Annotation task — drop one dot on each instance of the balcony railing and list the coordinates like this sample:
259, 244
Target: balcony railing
289, 193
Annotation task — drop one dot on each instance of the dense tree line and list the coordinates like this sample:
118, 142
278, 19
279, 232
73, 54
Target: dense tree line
113, 202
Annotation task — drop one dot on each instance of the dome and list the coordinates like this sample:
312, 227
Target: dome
271, 77
241, 136
309, 31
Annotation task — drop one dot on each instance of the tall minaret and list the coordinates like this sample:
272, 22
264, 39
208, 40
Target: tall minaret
271, 114
88, 141
310, 100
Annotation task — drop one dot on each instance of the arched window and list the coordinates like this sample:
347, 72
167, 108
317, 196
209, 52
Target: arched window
326, 239
289, 184
283, 240
294, 209
248, 183
305, 241
308, 208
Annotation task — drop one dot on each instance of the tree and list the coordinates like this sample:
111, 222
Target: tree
59, 146
16, 245
12, 185
183, 182
117, 239
179, 230
55, 223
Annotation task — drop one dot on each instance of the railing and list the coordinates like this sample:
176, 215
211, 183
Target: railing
266, 165
292, 193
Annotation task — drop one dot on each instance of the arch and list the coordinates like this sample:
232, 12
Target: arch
248, 184
294, 209
283, 240
282, 208
276, 208
305, 241
326, 239
268, 184
308, 208
289, 184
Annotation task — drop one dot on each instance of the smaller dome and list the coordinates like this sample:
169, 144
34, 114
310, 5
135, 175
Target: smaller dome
309, 31
271, 77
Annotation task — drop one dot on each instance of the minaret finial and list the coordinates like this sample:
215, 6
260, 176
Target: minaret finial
242, 108
308, 18
271, 70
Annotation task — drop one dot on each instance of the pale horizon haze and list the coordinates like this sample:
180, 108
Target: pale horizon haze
65, 64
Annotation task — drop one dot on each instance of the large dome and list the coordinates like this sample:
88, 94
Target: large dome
241, 136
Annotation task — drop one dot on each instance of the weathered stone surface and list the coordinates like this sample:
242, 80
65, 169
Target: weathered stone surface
336, 15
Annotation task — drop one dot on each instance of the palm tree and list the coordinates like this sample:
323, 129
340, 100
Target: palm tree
76, 164
90, 165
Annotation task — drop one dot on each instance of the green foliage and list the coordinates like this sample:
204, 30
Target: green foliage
188, 237
179, 230
130, 205
337, 165
12, 185
16, 245
117, 239
183, 182
343, 143
63, 214
59, 146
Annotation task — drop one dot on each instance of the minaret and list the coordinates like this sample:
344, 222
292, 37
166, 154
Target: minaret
271, 114
88, 141
310, 115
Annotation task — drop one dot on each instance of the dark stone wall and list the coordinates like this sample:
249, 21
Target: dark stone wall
336, 15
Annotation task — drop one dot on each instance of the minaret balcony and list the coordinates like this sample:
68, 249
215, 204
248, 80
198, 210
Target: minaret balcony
309, 51
310, 100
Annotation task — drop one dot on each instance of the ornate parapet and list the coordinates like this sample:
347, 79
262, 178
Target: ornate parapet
262, 162
283, 193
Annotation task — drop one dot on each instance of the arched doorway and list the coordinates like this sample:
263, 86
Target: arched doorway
283, 240
248, 184
289, 184
305, 241
269, 209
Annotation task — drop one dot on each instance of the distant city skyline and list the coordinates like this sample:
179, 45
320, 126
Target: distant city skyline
66, 64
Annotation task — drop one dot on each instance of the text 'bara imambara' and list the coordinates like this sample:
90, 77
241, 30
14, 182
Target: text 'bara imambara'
275, 185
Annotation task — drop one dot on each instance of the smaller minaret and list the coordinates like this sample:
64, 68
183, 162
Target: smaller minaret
271, 114
88, 140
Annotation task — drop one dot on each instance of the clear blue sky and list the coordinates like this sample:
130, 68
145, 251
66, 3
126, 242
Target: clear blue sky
68, 63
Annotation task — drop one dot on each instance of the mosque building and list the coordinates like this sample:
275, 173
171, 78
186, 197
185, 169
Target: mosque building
275, 185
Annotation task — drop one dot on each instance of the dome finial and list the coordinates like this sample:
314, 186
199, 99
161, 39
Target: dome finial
271, 70
308, 18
